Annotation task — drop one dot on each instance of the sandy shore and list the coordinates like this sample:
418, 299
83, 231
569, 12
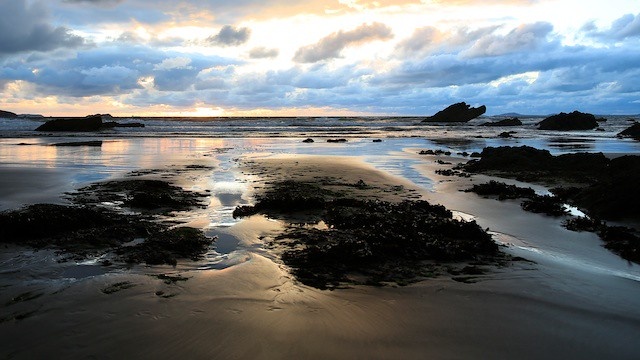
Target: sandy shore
250, 307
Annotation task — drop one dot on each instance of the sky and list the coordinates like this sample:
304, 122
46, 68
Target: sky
318, 57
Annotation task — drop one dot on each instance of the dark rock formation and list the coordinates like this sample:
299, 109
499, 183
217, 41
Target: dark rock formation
505, 122
336, 140
380, 241
7, 114
501, 190
572, 121
96, 143
528, 163
632, 132
459, 112
89, 123
90, 229
154, 196
608, 188
615, 195
308, 140
506, 134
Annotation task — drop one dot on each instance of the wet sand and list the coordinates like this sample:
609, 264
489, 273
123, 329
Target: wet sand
250, 307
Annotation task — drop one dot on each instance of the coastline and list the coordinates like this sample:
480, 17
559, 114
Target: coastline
247, 305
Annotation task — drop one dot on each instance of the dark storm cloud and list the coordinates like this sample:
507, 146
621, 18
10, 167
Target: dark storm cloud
332, 45
230, 36
24, 27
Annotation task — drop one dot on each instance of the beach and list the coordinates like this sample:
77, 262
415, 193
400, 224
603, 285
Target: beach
562, 294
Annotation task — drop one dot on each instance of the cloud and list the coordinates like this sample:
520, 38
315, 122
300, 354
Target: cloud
627, 26
174, 63
24, 27
263, 52
114, 69
521, 39
330, 46
230, 36
485, 41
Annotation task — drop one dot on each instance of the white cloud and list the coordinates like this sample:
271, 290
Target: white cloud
174, 63
331, 45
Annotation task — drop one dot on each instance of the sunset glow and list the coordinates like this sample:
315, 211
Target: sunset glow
219, 58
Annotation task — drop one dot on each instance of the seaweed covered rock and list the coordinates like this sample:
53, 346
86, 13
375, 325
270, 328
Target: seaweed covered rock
572, 121
544, 204
616, 194
501, 190
70, 227
528, 163
608, 188
380, 240
623, 241
82, 230
631, 132
459, 112
167, 246
505, 122
140, 194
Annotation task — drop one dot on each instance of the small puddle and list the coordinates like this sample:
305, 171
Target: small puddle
226, 243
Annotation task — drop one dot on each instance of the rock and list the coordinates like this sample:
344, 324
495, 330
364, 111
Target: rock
336, 140
89, 123
615, 195
308, 140
7, 114
608, 189
377, 140
145, 195
96, 143
506, 134
501, 190
632, 132
459, 112
572, 121
523, 159
505, 122
544, 204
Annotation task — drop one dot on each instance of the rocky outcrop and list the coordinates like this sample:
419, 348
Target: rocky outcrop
89, 123
572, 121
505, 122
7, 114
460, 112
632, 132
604, 188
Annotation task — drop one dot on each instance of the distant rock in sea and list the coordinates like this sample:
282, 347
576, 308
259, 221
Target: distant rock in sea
572, 121
506, 122
7, 114
632, 132
459, 112
89, 123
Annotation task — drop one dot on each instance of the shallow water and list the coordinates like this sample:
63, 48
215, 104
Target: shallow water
38, 172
